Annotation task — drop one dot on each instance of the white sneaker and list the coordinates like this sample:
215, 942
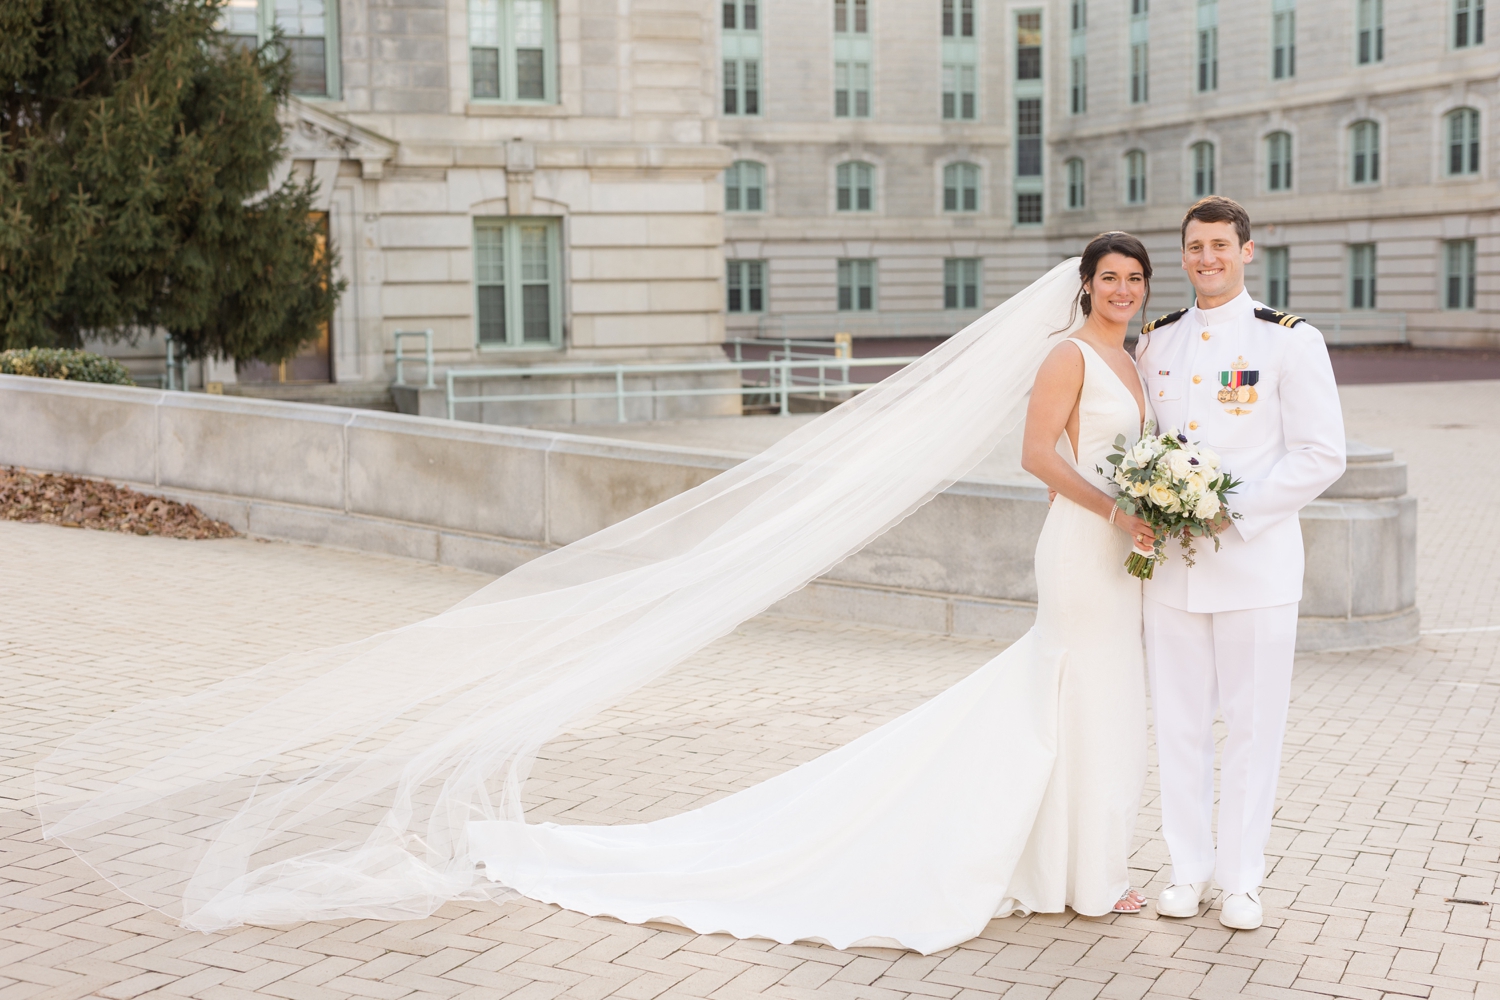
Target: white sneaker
1181, 900
1240, 911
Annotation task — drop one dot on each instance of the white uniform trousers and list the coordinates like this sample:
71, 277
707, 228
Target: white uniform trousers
1240, 661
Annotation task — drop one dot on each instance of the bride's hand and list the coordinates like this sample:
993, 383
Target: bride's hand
1141, 534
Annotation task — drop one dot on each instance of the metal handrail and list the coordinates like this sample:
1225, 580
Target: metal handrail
779, 383
1359, 326
426, 335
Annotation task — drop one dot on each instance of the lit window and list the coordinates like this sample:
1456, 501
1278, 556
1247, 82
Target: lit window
1283, 39
1364, 145
309, 32
961, 283
512, 50
856, 285
745, 187
851, 58
1075, 183
1135, 177
1463, 142
1203, 169
1208, 45
1371, 32
516, 282
1029, 45
1279, 161
1362, 276
747, 286
1458, 273
960, 187
1278, 294
1468, 23
855, 187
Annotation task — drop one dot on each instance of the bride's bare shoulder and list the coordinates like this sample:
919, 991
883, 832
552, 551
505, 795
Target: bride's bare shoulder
1061, 372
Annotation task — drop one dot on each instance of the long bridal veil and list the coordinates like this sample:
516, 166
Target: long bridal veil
338, 783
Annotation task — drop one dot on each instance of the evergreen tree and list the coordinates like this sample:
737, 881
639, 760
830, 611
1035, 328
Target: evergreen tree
136, 147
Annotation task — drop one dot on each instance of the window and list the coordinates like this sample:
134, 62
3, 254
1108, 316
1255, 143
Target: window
958, 90
1208, 45
1463, 142
1140, 67
1371, 31
1283, 39
516, 282
856, 285
1078, 91
745, 187
1468, 23
1029, 137
958, 18
1279, 161
512, 50
960, 187
1277, 294
747, 286
961, 283
1075, 183
309, 31
851, 58
855, 187
1029, 45
1203, 169
1362, 276
1458, 272
740, 24
1080, 15
1028, 208
1364, 144
1135, 177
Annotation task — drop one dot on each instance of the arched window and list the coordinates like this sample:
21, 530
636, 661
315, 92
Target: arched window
960, 187
1135, 177
1364, 148
1463, 141
1279, 161
856, 187
745, 187
1203, 169
1075, 182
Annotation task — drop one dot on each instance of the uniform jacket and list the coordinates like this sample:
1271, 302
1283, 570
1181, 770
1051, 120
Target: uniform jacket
1278, 427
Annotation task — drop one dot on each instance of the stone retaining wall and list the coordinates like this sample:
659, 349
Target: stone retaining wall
489, 498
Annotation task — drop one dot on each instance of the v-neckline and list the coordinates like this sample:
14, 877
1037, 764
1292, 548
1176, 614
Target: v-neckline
1140, 405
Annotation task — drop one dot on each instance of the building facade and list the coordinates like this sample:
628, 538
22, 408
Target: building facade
906, 163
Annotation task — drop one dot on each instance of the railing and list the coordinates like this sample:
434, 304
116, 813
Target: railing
1359, 327
426, 336
933, 323
842, 346
781, 377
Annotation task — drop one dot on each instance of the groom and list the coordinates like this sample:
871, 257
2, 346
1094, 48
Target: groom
1256, 386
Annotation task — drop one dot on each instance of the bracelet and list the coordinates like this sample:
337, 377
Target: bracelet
1113, 510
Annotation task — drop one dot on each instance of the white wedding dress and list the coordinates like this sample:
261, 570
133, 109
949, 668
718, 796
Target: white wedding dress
1015, 790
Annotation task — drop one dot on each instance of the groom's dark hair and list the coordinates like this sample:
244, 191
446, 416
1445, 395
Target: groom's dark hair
1216, 208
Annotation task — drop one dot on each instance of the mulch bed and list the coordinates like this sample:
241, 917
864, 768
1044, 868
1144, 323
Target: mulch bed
74, 502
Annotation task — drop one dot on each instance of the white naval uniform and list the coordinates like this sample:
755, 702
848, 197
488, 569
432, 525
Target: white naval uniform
1222, 633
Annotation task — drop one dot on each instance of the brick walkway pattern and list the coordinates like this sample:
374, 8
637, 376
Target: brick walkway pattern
1389, 797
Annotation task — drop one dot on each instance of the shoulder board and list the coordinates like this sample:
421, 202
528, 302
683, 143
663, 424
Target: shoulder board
1170, 317
1278, 317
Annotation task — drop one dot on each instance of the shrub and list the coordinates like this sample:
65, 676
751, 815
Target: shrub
53, 362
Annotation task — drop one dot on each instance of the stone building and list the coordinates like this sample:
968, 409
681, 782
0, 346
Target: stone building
903, 163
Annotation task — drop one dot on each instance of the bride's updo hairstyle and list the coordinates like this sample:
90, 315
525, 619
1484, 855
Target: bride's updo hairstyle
1101, 246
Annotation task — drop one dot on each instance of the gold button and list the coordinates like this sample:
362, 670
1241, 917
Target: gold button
1205, 334
1192, 425
1197, 379
1161, 392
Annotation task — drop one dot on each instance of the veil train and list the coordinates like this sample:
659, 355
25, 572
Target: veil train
339, 783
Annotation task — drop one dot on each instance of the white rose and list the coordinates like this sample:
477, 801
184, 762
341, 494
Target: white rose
1137, 489
1208, 458
1179, 462
1207, 507
1162, 496
1196, 483
1142, 453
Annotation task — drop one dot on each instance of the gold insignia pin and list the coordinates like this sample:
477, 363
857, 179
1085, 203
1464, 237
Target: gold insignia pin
1240, 365
1239, 412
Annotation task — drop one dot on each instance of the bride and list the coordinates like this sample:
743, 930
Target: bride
375, 779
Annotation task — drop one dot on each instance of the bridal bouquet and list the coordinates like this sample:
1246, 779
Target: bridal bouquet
1175, 486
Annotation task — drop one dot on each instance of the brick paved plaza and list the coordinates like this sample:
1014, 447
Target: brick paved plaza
1389, 800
